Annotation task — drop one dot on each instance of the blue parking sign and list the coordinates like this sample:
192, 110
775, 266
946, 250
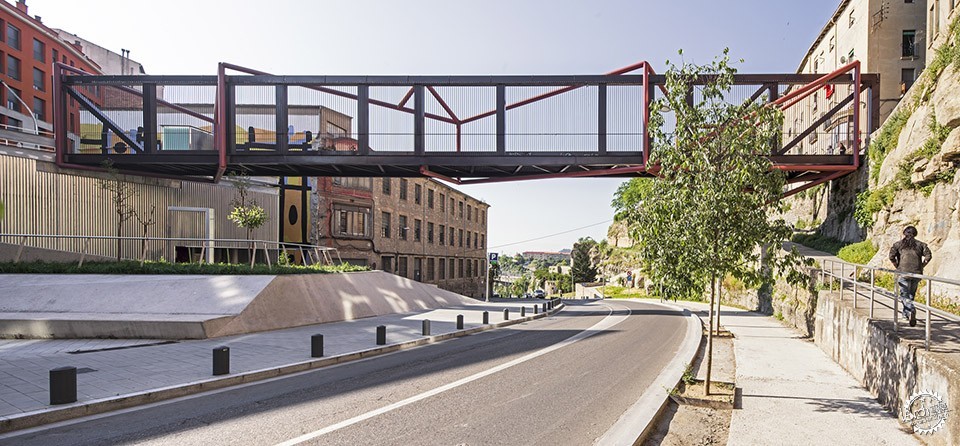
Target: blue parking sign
494, 257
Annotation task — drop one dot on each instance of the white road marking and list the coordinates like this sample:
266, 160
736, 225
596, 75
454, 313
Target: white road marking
608, 322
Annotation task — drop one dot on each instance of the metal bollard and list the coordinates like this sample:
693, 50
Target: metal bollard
425, 327
486, 317
523, 311
381, 335
535, 309
63, 385
316, 345
221, 360
459, 322
506, 314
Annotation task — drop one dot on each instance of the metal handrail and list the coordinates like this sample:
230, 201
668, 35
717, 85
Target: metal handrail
829, 269
323, 253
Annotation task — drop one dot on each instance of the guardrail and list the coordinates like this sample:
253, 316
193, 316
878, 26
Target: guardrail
847, 276
315, 254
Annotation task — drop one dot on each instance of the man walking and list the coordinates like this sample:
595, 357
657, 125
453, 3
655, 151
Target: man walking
909, 255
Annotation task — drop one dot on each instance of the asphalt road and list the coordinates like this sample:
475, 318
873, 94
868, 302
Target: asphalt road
562, 380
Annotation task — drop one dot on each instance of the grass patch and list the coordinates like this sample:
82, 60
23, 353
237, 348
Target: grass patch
819, 242
619, 292
133, 267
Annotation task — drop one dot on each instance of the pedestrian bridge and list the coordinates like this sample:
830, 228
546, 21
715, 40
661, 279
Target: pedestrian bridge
464, 129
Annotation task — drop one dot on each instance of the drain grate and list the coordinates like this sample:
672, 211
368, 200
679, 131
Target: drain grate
94, 350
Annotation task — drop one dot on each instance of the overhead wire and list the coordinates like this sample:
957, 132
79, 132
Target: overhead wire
552, 235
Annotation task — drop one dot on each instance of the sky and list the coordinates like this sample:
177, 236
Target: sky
445, 37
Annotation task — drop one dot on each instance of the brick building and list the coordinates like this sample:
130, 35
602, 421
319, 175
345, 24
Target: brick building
413, 227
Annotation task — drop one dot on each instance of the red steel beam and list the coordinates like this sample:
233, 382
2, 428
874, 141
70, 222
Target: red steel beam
814, 183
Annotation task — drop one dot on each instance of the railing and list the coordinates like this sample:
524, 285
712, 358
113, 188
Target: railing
847, 276
311, 253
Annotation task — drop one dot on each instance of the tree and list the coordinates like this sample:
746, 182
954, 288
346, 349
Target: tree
629, 195
246, 213
520, 286
600, 256
716, 199
583, 269
119, 192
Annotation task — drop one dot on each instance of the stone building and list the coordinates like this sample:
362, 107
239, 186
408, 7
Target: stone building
413, 227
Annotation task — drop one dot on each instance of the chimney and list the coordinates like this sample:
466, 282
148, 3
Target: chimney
22, 6
38, 18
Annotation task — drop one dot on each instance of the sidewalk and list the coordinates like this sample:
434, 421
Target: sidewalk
120, 373
793, 393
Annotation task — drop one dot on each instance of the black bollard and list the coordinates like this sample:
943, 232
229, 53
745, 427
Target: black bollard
221, 360
506, 314
425, 327
63, 385
381, 335
535, 309
459, 322
523, 311
316, 345
486, 317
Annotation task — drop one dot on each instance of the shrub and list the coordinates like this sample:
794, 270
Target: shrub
860, 252
819, 242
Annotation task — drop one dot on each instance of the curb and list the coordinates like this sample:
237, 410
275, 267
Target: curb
98, 406
652, 401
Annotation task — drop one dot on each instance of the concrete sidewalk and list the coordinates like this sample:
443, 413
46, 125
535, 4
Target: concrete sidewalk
121, 373
793, 393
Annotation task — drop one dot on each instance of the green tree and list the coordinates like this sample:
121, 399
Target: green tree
520, 286
716, 198
583, 268
629, 195
246, 213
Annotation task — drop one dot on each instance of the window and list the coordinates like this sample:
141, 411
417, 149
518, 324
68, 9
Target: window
13, 36
443, 232
483, 217
469, 268
13, 67
443, 203
385, 224
850, 19
354, 183
402, 266
483, 240
833, 43
403, 188
476, 240
453, 269
909, 43
351, 221
476, 266
13, 100
417, 192
39, 109
417, 267
451, 236
402, 227
430, 198
386, 186
907, 76
430, 270
38, 80
469, 212
416, 229
429, 232
461, 209
56, 55
39, 51
386, 263
451, 206
442, 268
460, 236
460, 267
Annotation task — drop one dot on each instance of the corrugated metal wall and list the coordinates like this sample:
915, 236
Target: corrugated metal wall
43, 202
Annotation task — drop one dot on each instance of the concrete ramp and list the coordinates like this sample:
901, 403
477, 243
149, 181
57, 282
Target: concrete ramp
196, 307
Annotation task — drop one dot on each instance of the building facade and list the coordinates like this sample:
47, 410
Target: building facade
414, 227
547, 255
940, 14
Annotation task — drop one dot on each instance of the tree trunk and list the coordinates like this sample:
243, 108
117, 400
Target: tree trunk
119, 234
706, 384
719, 299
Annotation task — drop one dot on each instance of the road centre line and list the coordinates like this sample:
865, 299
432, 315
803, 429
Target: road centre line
608, 322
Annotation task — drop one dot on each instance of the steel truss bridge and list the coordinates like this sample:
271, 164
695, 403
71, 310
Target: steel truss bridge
463, 129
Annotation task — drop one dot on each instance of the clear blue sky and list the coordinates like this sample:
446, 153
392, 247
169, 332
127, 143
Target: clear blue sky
456, 37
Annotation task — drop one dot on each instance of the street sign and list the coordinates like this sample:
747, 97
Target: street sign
494, 257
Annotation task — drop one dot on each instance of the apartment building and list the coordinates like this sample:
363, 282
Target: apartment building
417, 228
940, 13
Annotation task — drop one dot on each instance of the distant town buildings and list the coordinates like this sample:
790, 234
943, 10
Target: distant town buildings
548, 255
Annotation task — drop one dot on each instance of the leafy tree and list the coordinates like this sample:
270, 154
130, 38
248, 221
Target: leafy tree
520, 286
246, 213
583, 269
119, 193
629, 196
716, 199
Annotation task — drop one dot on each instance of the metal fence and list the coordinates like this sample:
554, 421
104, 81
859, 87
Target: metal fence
204, 247
861, 281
